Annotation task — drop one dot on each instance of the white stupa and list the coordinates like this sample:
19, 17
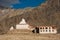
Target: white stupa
22, 25
23, 22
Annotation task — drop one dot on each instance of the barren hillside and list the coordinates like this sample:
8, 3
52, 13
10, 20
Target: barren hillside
47, 13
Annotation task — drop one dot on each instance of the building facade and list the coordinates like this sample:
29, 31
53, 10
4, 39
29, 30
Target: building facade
45, 30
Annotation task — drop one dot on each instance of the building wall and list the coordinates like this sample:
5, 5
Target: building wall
25, 26
47, 30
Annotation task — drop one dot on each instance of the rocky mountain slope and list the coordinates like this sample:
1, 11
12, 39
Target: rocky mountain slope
47, 14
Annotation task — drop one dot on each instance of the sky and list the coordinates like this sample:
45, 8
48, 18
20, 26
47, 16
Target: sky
21, 3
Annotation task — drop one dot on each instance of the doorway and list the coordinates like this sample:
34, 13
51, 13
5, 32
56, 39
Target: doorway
36, 30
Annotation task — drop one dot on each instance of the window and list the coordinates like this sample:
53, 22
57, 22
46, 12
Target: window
46, 28
49, 30
52, 30
41, 28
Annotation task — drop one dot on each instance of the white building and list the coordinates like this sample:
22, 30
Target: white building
22, 25
46, 30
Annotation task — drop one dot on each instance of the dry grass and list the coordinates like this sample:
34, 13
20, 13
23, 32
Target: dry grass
27, 35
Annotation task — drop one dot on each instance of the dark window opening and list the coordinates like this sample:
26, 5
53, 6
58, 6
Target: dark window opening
49, 30
46, 28
43, 27
52, 30
40, 28
36, 30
